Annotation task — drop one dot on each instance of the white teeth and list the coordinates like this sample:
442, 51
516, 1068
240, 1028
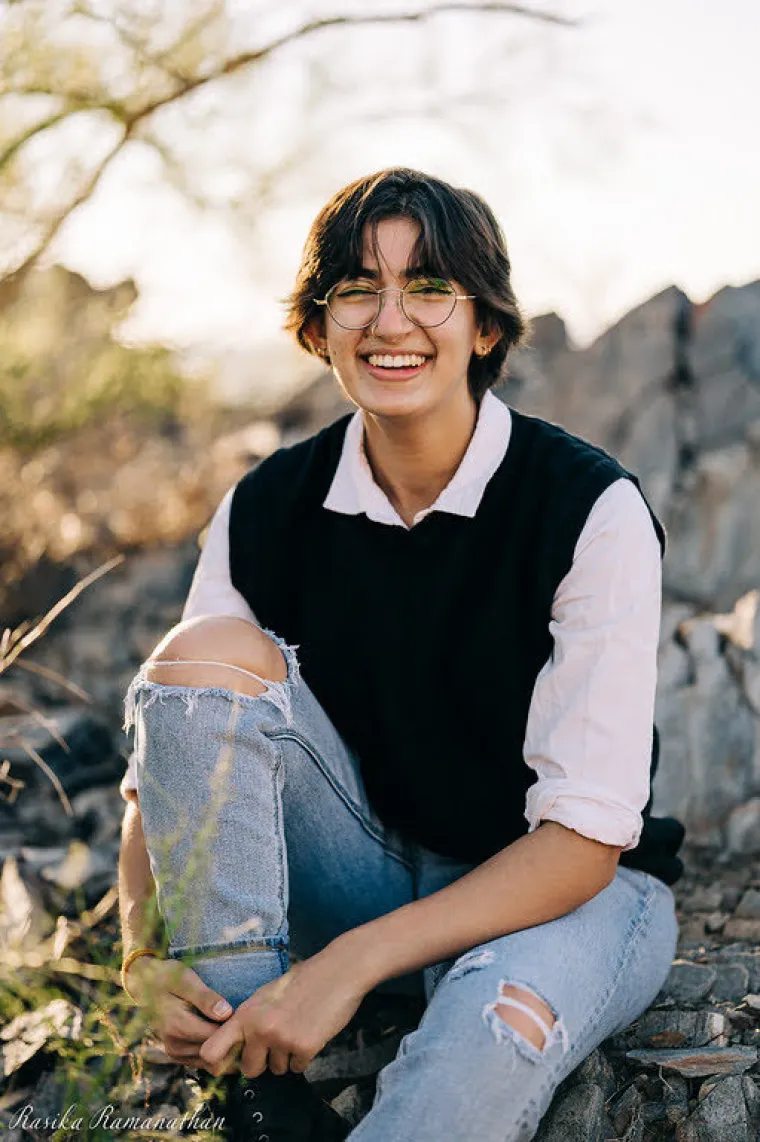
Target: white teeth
387, 361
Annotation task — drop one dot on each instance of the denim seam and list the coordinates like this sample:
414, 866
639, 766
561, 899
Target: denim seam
262, 944
279, 831
290, 735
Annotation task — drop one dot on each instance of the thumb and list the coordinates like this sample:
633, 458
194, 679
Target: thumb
210, 1003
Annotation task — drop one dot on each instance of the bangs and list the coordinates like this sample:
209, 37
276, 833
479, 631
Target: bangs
432, 255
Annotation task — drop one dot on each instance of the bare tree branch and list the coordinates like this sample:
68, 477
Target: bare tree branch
83, 195
132, 118
245, 59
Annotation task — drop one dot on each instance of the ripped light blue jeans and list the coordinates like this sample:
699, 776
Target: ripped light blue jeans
261, 840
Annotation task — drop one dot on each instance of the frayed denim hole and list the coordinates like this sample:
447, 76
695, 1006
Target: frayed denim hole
471, 961
503, 1031
278, 693
290, 656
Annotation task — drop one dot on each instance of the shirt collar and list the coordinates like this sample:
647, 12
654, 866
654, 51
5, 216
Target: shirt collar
353, 490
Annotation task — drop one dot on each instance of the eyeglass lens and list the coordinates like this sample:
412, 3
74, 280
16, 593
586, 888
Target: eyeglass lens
425, 301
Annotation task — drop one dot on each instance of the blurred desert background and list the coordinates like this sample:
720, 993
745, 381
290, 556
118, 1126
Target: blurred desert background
160, 164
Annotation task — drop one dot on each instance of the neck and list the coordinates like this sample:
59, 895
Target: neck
413, 459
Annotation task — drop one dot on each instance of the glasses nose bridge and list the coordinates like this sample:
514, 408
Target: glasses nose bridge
400, 303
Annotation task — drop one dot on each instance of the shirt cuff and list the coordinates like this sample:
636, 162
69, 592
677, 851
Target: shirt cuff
586, 809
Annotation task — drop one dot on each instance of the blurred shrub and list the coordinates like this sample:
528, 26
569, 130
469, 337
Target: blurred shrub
62, 370
38, 406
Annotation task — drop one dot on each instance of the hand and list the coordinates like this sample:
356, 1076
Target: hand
285, 1023
183, 1012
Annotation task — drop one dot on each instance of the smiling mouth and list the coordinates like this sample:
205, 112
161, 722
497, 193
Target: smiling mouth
395, 360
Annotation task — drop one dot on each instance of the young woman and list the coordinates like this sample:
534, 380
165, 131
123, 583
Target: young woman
407, 716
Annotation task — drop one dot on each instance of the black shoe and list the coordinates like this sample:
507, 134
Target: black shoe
276, 1108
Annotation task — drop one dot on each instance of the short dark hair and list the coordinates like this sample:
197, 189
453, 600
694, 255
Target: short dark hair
460, 239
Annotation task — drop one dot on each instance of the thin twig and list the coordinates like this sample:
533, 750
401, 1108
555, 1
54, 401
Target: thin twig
36, 716
53, 777
39, 629
54, 676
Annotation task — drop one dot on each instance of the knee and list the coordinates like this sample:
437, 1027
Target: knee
527, 1016
201, 651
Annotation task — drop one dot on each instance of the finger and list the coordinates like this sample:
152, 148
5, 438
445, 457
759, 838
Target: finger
225, 1039
254, 1058
278, 1060
299, 1063
187, 1025
190, 986
180, 1020
179, 1049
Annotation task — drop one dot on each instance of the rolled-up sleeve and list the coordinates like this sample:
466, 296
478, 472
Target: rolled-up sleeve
211, 593
590, 724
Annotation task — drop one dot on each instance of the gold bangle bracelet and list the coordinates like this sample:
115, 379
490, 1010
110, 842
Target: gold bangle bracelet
129, 960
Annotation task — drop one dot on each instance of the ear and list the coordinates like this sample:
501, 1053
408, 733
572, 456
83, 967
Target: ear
487, 336
315, 336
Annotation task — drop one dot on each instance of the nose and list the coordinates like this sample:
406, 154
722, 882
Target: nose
391, 321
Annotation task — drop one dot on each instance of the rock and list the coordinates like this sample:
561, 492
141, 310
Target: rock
694, 1063
720, 1116
704, 898
23, 918
355, 1101
79, 750
708, 739
576, 1113
748, 930
743, 828
80, 864
676, 1099
749, 905
99, 813
731, 982
688, 982
596, 1070
670, 1028
27, 1034
626, 1110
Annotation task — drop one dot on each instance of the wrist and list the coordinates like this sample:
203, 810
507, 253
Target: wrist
137, 956
358, 951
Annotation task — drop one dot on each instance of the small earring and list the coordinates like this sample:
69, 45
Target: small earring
482, 350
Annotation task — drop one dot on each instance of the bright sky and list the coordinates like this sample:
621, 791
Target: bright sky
656, 182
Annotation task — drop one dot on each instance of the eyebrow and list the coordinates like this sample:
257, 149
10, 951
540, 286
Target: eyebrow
409, 273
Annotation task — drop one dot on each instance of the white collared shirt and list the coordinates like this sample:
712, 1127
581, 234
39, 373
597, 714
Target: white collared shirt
589, 729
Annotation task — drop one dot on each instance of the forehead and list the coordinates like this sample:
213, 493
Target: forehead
389, 245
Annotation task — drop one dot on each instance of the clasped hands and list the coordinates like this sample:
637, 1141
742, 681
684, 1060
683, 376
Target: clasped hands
282, 1026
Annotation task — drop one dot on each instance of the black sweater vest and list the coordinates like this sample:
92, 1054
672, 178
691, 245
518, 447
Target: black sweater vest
423, 645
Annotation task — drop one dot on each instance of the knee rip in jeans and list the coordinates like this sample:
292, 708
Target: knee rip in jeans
517, 1014
278, 693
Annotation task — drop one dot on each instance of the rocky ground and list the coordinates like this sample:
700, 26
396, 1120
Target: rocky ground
687, 1070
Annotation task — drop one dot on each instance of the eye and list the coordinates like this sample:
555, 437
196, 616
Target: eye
436, 287
354, 289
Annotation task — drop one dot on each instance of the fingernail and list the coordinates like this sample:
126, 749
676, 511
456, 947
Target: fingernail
222, 1007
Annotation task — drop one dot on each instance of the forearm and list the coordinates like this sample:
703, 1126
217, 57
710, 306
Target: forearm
140, 925
538, 878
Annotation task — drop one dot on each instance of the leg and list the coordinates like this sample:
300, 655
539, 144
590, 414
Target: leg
478, 1066
244, 786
